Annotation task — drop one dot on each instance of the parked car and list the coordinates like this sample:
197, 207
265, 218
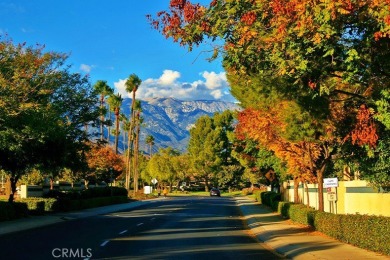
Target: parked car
215, 192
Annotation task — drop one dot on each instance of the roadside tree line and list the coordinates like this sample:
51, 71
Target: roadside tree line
47, 119
312, 78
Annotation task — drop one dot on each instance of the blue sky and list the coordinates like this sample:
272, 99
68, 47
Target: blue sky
109, 40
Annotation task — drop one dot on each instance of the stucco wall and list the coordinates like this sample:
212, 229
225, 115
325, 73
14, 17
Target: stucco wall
352, 197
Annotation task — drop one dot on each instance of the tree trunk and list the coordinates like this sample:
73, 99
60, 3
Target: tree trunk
206, 180
296, 185
101, 118
12, 188
109, 126
307, 194
130, 143
136, 152
116, 130
320, 179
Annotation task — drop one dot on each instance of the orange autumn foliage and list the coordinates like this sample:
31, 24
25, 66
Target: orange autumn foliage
102, 158
365, 132
266, 128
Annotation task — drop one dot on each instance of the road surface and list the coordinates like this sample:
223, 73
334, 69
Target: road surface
171, 228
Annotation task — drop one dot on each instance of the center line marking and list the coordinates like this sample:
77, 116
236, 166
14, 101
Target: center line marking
124, 231
105, 243
140, 224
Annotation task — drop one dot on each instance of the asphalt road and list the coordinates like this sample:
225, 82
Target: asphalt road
173, 228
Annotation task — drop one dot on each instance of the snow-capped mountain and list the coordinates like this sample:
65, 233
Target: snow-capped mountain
169, 120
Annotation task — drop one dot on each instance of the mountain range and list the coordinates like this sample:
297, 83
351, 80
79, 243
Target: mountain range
169, 120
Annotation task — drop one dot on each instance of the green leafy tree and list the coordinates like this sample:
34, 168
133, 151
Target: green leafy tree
43, 108
162, 166
331, 58
209, 147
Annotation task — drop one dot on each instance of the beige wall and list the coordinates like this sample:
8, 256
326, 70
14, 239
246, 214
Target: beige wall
352, 197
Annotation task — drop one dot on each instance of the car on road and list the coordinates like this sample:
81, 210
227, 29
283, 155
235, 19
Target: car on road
215, 192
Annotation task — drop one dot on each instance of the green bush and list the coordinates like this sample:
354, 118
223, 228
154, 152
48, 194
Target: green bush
301, 214
271, 199
9, 211
103, 192
40, 206
369, 232
69, 205
283, 209
258, 195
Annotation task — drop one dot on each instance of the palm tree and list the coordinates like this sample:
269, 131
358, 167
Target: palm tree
125, 127
132, 84
150, 141
137, 127
115, 102
102, 88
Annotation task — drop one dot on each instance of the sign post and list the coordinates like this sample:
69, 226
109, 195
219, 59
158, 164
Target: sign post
154, 181
331, 185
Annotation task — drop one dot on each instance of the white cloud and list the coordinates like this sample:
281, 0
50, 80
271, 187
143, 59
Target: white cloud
214, 80
169, 77
86, 68
212, 86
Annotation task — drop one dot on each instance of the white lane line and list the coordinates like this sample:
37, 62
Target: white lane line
105, 243
140, 224
152, 218
124, 231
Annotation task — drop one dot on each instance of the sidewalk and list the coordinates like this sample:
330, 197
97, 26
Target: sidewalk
294, 241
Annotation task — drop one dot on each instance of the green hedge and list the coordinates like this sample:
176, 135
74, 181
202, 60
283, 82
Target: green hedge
9, 211
271, 199
70, 205
103, 192
39, 206
364, 231
369, 232
63, 201
257, 194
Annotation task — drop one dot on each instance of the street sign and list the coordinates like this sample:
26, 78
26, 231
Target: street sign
332, 196
154, 181
331, 182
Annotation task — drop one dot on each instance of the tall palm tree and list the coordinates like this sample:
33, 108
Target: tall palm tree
150, 141
125, 127
115, 102
132, 84
137, 128
102, 88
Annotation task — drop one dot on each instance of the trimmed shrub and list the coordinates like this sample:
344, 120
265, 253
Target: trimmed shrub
103, 192
9, 211
271, 199
257, 194
39, 206
368, 232
301, 214
283, 209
